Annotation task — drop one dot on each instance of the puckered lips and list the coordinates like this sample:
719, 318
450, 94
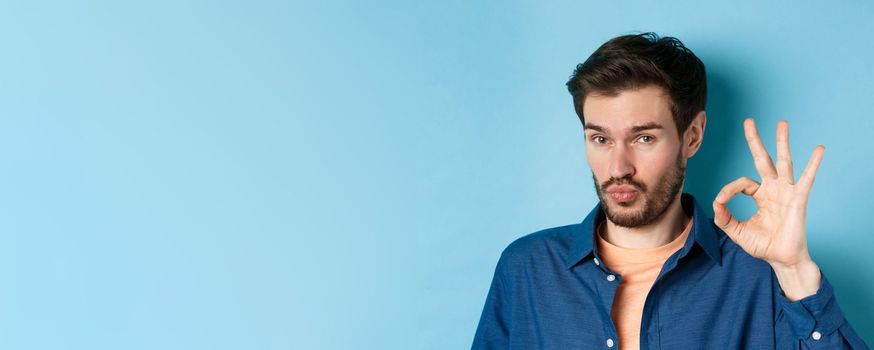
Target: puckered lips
622, 193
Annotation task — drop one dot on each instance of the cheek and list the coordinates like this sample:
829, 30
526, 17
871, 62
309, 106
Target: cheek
599, 163
653, 166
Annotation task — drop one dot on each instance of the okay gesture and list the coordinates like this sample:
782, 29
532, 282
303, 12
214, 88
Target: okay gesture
776, 233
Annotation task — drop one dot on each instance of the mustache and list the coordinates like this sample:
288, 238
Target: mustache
623, 181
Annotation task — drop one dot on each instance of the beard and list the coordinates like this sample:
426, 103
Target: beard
649, 204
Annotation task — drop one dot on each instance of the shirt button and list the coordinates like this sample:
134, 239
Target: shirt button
597, 262
816, 335
609, 343
611, 278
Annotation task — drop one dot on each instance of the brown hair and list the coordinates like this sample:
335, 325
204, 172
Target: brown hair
638, 60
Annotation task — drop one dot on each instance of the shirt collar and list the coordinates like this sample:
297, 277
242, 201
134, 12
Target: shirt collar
703, 233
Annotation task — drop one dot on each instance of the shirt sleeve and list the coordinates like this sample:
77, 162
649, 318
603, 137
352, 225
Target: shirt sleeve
493, 331
814, 322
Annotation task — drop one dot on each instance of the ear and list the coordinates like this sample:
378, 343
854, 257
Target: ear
694, 135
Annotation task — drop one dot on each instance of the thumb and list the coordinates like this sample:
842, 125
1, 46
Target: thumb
721, 216
723, 219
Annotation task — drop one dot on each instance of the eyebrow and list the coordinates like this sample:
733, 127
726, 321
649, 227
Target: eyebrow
634, 129
593, 127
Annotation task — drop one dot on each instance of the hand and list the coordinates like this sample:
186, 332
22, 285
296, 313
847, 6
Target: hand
776, 233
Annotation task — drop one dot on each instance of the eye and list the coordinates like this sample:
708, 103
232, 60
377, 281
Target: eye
646, 139
599, 139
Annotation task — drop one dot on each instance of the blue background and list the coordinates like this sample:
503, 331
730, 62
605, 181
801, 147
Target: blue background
344, 175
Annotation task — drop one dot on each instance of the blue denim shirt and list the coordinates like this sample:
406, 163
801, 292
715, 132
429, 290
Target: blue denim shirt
549, 291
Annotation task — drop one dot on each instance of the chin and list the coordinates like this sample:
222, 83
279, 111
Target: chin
627, 211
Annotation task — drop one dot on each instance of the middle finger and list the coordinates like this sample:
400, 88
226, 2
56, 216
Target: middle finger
762, 159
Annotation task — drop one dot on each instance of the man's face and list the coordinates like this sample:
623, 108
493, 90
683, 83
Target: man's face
635, 154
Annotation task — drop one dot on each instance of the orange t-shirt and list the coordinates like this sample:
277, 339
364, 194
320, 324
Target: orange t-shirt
639, 269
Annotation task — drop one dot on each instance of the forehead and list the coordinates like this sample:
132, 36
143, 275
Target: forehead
629, 108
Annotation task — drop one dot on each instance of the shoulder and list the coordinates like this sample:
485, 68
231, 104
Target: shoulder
554, 242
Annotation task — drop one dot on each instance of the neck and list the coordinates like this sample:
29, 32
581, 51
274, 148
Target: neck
656, 234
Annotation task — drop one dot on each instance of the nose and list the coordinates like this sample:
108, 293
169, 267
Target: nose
620, 163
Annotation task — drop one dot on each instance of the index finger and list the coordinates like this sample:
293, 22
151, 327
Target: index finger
762, 159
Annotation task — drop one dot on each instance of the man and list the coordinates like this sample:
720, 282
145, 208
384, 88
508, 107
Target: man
646, 268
